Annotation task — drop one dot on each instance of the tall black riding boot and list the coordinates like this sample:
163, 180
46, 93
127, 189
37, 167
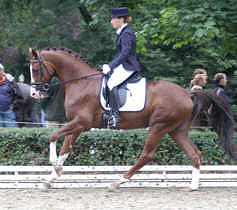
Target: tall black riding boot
114, 119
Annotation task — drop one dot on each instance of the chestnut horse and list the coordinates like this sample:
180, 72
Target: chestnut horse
169, 109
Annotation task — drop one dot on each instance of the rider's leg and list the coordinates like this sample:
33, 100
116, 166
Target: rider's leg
118, 76
114, 119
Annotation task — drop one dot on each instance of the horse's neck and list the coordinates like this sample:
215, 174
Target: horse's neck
75, 73
66, 66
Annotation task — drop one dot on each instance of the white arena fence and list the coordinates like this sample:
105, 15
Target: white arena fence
155, 176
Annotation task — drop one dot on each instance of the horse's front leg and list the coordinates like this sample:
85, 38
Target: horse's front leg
53, 158
55, 161
71, 132
58, 165
64, 153
53, 153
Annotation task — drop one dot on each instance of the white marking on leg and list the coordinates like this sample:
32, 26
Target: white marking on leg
53, 176
58, 168
116, 185
123, 180
61, 159
195, 179
53, 153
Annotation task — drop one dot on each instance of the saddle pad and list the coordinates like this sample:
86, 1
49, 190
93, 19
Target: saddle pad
136, 97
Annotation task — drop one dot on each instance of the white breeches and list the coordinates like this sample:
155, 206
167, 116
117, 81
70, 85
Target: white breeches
119, 75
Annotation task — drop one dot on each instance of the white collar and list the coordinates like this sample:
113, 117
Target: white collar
121, 28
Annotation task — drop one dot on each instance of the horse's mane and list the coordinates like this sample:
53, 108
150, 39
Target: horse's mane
67, 52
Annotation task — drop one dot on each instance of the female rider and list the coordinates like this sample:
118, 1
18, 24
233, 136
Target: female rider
125, 62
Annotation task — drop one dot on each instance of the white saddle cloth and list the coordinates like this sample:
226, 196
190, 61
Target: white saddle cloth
136, 97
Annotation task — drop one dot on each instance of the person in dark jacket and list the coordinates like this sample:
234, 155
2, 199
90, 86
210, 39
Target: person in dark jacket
220, 80
10, 96
125, 62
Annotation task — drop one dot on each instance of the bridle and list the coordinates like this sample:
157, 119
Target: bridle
45, 86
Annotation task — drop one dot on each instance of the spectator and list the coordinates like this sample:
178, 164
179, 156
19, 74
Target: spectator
199, 82
202, 72
10, 96
220, 80
199, 71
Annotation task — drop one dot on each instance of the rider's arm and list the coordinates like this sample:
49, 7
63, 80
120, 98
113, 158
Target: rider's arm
126, 47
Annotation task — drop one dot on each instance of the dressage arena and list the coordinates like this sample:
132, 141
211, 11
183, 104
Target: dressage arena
85, 187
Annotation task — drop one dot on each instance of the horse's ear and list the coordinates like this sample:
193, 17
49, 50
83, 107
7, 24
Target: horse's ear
33, 52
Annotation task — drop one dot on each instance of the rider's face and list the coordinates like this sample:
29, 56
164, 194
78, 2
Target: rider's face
117, 22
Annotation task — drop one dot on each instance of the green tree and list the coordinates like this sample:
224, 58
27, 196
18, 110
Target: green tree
204, 29
173, 37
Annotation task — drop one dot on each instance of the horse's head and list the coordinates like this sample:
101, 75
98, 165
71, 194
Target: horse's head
41, 72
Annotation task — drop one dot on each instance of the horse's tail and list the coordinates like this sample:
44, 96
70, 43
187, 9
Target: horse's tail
220, 115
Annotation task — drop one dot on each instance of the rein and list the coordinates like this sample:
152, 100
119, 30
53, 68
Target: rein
45, 86
80, 78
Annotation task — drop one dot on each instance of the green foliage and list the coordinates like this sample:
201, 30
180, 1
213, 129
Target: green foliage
29, 146
173, 37
185, 21
189, 34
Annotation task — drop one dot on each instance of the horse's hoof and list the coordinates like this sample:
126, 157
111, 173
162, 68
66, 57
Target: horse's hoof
114, 187
193, 188
59, 170
45, 186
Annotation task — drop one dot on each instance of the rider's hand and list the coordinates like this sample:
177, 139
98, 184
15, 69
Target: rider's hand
106, 69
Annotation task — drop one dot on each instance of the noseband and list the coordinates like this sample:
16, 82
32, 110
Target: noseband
45, 86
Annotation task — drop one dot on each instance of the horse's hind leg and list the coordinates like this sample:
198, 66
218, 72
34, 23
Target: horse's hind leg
180, 136
149, 149
153, 140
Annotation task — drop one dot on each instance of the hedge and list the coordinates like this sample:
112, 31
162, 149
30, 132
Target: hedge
30, 146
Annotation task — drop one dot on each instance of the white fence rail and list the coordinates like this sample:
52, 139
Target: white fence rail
103, 176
